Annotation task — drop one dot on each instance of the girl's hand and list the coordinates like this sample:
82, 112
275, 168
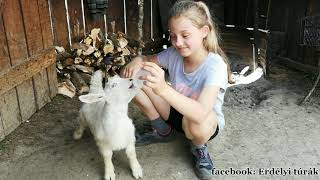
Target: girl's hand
131, 68
155, 80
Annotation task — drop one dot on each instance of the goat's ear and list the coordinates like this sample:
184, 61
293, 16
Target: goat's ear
92, 98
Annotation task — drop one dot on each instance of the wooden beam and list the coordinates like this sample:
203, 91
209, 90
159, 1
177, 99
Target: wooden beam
27, 69
4, 53
45, 22
60, 26
47, 38
1, 6
298, 66
9, 111
33, 31
13, 21
52, 80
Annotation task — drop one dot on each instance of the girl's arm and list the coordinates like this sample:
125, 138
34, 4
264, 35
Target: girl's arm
136, 64
194, 110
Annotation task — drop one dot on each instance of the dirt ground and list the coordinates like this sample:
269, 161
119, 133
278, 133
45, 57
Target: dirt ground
266, 133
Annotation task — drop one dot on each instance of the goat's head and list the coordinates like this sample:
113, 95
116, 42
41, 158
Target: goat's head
117, 90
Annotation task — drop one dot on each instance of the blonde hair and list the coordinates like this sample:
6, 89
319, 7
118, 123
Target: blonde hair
198, 13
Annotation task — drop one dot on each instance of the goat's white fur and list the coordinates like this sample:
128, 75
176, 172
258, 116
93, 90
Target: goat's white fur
105, 112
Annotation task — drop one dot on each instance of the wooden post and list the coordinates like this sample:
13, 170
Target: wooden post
256, 26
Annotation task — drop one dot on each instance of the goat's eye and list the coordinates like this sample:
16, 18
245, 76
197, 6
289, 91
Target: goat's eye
113, 85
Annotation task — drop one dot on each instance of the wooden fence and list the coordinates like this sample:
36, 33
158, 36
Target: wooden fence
29, 30
71, 20
27, 61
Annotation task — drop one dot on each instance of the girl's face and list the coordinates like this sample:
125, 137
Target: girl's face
185, 36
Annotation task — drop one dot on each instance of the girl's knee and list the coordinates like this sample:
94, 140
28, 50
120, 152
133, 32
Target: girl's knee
199, 132
192, 130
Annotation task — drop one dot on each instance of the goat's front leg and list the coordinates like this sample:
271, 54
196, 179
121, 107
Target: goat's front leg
107, 158
134, 164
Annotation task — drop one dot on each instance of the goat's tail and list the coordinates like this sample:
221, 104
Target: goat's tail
96, 82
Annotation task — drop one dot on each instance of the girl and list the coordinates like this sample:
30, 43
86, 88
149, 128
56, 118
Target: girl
197, 69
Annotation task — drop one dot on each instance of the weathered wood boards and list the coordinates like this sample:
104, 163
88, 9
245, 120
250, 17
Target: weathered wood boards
27, 68
22, 72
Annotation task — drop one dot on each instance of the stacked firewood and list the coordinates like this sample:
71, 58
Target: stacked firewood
96, 51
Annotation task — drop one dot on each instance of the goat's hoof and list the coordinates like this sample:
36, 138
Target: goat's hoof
137, 171
77, 135
110, 176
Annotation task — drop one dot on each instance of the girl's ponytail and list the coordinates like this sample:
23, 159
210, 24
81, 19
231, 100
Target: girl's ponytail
211, 42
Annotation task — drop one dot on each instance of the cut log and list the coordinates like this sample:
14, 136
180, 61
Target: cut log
78, 60
84, 69
122, 42
79, 83
66, 88
64, 73
63, 55
67, 62
86, 77
60, 49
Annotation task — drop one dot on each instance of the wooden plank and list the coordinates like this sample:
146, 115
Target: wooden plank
41, 88
45, 23
52, 79
132, 19
25, 92
297, 11
47, 43
4, 54
17, 48
9, 110
297, 65
34, 43
76, 20
157, 26
95, 23
4, 65
26, 70
60, 26
146, 21
13, 24
1, 5
32, 26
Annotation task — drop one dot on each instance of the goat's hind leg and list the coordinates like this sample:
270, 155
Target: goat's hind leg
82, 126
134, 164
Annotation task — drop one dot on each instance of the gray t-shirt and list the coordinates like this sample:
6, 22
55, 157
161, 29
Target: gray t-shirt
212, 72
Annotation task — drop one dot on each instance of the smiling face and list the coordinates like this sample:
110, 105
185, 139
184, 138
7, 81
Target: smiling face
185, 36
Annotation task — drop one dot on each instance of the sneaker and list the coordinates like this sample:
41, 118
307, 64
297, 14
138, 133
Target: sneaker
153, 137
202, 161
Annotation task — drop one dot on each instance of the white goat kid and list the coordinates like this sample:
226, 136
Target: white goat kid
105, 113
